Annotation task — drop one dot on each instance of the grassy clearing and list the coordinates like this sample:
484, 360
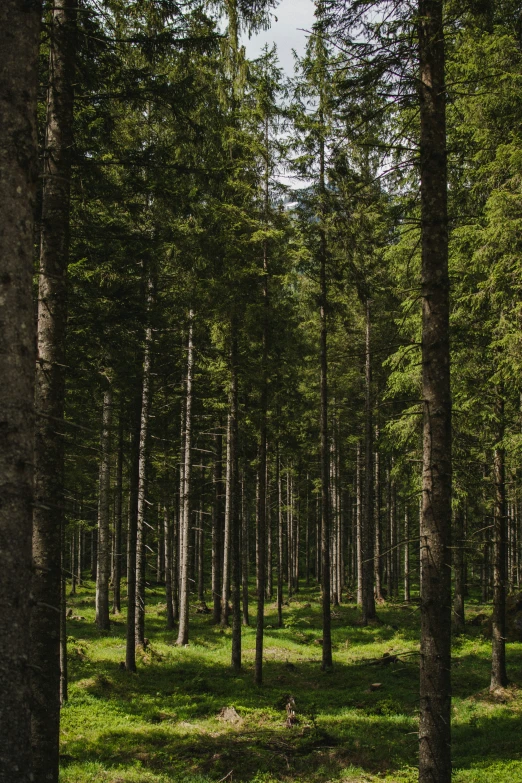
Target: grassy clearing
162, 725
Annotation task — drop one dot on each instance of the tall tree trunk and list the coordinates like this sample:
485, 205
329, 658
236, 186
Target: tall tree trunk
50, 389
269, 540
141, 560
19, 40
325, 467
458, 566
79, 562
217, 529
289, 527
229, 489
104, 537
307, 533
63, 692
245, 552
407, 597
169, 570
368, 535
118, 507
184, 530
279, 541
72, 563
498, 629
94, 553
435, 529
201, 547
234, 505
262, 466
377, 515
132, 532
358, 531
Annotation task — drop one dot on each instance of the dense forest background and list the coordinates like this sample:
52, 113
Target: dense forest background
243, 404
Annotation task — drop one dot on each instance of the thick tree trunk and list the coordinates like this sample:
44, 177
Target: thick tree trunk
217, 529
19, 39
498, 628
50, 390
367, 533
458, 566
435, 528
104, 537
141, 560
185, 510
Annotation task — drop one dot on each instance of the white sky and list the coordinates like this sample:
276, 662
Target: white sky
294, 17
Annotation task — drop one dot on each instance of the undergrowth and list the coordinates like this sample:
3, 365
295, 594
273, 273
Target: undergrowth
357, 722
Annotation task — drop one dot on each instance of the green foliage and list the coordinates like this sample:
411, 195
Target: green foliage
162, 724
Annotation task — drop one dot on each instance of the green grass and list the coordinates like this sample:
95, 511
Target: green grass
162, 725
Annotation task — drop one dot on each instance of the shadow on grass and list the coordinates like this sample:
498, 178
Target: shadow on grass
165, 718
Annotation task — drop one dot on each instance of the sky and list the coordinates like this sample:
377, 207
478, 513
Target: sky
294, 17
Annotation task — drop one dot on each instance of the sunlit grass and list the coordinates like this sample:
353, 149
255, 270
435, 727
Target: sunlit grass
163, 725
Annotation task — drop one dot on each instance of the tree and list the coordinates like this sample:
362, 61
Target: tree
19, 39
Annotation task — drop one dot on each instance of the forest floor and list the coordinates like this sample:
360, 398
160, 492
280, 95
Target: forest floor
163, 724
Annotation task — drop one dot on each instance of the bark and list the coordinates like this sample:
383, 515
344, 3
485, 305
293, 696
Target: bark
50, 390
167, 539
367, 533
19, 39
217, 529
245, 554
289, 531
233, 510
458, 567
358, 532
307, 533
435, 528
94, 553
118, 506
498, 620
201, 548
377, 515
184, 530
269, 541
80, 555
393, 575
279, 541
261, 536
325, 468
132, 531
103, 570
407, 596
225, 585
71, 562
141, 562
63, 629
175, 570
